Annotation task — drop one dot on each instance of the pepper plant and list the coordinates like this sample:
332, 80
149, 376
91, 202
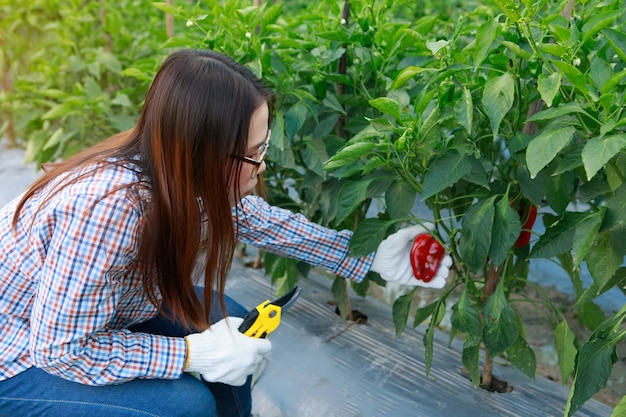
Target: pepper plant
517, 105
62, 67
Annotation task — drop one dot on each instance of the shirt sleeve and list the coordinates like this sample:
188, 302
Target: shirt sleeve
92, 245
285, 233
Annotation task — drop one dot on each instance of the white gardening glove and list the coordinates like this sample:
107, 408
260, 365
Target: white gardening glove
223, 354
393, 260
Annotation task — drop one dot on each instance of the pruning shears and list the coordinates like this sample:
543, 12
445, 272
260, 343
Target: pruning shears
265, 317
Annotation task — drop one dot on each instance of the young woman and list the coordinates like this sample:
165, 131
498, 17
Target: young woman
99, 309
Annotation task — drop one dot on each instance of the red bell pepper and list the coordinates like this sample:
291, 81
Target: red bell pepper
528, 215
426, 254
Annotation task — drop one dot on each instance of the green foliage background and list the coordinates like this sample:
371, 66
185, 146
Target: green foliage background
468, 107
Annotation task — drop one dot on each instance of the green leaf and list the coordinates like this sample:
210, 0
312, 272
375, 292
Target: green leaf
283, 272
476, 232
506, 229
435, 46
606, 255
137, 73
429, 336
509, 7
54, 93
556, 112
445, 172
399, 199
616, 209
544, 147
422, 313
121, 99
559, 190
368, 235
349, 154
313, 153
590, 315
59, 110
294, 119
515, 48
109, 61
615, 172
464, 110
617, 40
522, 356
351, 195
470, 358
477, 175
340, 295
597, 22
617, 280
553, 49
574, 231
548, 86
615, 79
466, 319
400, 311
387, 106
500, 330
600, 72
92, 90
565, 343
406, 74
533, 188
595, 361
599, 150
498, 97
55, 139
485, 35
332, 102
573, 74
121, 122
166, 8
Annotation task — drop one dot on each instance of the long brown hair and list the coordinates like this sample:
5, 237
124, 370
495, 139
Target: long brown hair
195, 117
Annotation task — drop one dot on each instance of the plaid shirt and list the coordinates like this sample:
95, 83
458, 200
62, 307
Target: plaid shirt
70, 285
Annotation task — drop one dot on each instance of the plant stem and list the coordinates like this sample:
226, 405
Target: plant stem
493, 277
347, 297
487, 371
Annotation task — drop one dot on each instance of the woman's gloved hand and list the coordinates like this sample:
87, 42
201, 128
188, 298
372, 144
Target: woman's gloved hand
223, 354
393, 260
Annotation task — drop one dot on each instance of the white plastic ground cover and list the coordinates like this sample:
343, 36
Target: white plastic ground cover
320, 366
15, 176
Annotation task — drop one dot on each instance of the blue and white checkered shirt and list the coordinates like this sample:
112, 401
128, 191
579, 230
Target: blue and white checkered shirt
70, 285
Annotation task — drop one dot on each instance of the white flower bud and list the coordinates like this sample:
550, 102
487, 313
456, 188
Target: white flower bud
576, 62
189, 23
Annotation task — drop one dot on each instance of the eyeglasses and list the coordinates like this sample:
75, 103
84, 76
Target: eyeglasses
261, 152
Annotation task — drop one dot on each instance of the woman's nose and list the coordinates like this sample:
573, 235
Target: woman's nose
262, 168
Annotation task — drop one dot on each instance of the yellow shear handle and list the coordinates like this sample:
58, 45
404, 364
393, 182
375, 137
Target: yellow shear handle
266, 322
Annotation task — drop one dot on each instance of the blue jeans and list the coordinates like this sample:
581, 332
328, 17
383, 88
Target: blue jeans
36, 393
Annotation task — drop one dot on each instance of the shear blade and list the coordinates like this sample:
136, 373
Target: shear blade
288, 299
